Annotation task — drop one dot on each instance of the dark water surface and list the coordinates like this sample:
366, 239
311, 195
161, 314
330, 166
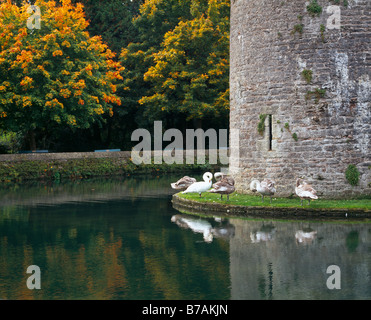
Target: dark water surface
121, 239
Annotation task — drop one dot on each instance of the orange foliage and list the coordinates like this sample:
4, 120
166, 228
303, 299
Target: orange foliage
36, 68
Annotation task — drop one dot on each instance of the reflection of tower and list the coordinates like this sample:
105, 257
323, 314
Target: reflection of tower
307, 86
285, 268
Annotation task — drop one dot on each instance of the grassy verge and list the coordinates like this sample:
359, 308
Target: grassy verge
85, 168
236, 199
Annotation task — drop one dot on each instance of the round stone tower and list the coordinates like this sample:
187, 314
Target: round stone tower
300, 82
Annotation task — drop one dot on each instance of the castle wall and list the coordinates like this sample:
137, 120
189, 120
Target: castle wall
317, 128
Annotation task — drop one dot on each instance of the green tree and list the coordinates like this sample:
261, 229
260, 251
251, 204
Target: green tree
191, 71
112, 20
55, 76
177, 70
155, 19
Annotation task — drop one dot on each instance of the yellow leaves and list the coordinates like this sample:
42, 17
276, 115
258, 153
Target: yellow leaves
79, 85
96, 99
99, 110
49, 37
44, 72
26, 80
174, 75
71, 120
57, 53
77, 93
54, 104
23, 59
61, 60
170, 83
114, 75
66, 44
3, 114
88, 69
27, 102
113, 88
111, 99
65, 93
26, 83
154, 72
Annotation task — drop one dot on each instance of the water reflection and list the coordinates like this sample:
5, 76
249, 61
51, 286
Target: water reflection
198, 225
305, 236
115, 243
288, 260
265, 233
122, 239
92, 190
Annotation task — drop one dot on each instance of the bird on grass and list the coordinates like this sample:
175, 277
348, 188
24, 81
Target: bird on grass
224, 185
183, 183
201, 186
265, 188
305, 191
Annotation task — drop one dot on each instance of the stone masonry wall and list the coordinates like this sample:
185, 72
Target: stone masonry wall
330, 115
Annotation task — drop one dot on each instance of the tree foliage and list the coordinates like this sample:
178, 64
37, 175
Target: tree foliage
56, 75
191, 71
64, 80
112, 19
179, 68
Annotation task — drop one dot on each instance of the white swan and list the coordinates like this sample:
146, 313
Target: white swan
183, 183
265, 188
225, 185
305, 191
199, 187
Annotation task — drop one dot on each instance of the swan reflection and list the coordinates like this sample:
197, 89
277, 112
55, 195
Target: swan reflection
265, 234
305, 236
198, 225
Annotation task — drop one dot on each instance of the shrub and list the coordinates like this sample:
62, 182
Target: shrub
352, 175
314, 8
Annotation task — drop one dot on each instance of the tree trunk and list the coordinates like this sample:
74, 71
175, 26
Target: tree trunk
31, 140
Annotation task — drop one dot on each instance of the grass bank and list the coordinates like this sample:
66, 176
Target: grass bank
86, 168
236, 199
248, 206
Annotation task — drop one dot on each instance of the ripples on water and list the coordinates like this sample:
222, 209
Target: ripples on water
122, 239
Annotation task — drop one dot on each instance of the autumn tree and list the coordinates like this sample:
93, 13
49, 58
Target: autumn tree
179, 70
155, 19
191, 71
55, 76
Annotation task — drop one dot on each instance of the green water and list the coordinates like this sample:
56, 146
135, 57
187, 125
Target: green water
122, 239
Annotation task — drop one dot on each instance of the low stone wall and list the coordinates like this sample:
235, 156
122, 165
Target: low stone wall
63, 156
124, 155
81, 165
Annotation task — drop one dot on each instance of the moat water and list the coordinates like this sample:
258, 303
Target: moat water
111, 239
